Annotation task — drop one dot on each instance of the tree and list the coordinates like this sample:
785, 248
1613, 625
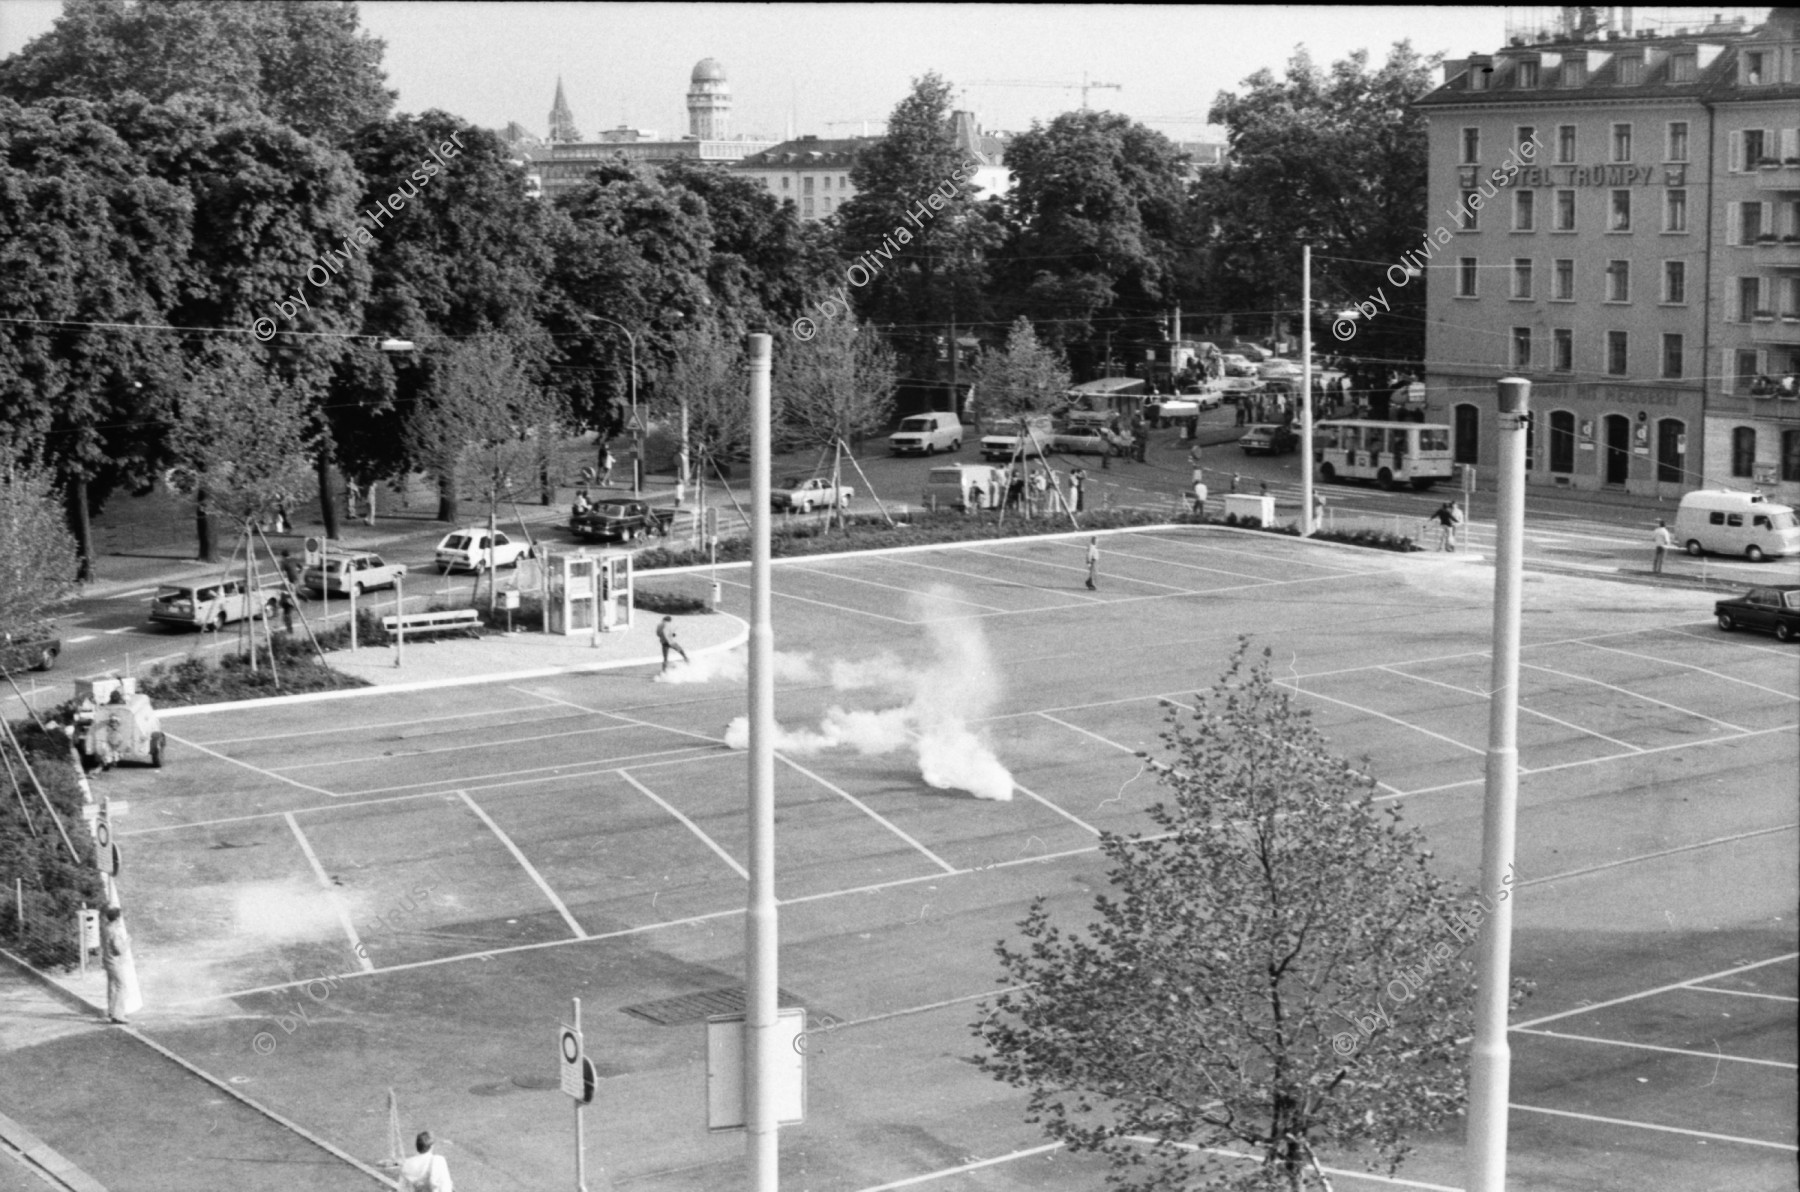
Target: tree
1232, 989
1096, 215
37, 553
1337, 161
484, 425
1024, 377
306, 65
237, 438
710, 377
836, 387
915, 228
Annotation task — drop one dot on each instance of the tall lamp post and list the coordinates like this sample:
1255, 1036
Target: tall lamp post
637, 422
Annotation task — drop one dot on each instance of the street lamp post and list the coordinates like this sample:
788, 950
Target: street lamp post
637, 458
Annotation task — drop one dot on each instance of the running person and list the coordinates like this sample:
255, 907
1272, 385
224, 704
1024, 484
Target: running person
665, 633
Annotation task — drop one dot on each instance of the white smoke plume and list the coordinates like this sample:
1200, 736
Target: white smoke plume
733, 666
957, 684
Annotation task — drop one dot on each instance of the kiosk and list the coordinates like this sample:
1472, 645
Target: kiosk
586, 591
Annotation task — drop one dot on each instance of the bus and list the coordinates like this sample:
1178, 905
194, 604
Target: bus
1389, 453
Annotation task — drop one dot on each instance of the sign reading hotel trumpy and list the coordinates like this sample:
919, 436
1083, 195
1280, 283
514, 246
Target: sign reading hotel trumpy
1574, 175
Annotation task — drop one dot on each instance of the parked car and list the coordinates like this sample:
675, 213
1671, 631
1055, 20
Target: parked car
355, 573
957, 486
620, 521
1238, 366
1736, 523
924, 434
212, 604
1005, 440
32, 647
1285, 370
1189, 403
1268, 438
806, 495
1771, 610
468, 550
1075, 438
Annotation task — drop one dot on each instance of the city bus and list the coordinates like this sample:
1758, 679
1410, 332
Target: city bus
1389, 453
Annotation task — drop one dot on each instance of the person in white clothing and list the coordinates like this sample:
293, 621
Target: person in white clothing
425, 1172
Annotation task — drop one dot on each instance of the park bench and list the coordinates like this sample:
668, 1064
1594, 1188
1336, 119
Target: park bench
465, 620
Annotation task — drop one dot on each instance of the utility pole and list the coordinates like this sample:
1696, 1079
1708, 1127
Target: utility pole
1305, 404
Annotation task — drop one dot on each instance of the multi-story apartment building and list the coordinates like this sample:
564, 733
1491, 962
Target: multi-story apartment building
1589, 225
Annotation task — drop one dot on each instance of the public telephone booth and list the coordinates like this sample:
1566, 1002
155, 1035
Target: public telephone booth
588, 591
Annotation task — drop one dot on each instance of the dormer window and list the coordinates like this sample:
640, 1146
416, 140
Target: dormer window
1528, 72
1752, 75
1480, 70
1574, 73
1684, 68
1631, 71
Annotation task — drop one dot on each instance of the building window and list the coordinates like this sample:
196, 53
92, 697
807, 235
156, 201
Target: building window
1617, 353
1743, 451
1678, 145
1621, 211
1574, 73
828, 182
1562, 350
1752, 140
1750, 222
1521, 279
843, 181
806, 207
1521, 347
1562, 280
806, 185
1469, 214
1465, 277
1465, 434
1753, 68
1565, 144
1471, 146
1674, 281
828, 203
1528, 74
1618, 281
1675, 210
1631, 71
1790, 455
1562, 442
784, 182
1749, 297
1671, 450
1524, 210
1564, 218
1683, 68
1524, 134
1671, 358
1621, 142
1745, 372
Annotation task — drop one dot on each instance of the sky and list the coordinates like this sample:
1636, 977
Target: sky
817, 65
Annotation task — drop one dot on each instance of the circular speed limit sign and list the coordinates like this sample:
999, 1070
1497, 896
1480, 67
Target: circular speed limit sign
103, 832
571, 1047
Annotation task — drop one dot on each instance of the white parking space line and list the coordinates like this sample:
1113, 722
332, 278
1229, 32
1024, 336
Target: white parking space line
1077, 821
1528, 711
837, 608
1738, 640
630, 719
1082, 570
1773, 997
1125, 554
1341, 1173
1704, 1055
691, 826
1295, 687
86, 637
317, 790
337, 903
977, 1165
1660, 989
1307, 561
526, 865
1690, 666
868, 811
1715, 842
981, 577
470, 781
1085, 732
123, 629
1637, 695
339, 729
130, 594
1610, 1121
852, 579
489, 746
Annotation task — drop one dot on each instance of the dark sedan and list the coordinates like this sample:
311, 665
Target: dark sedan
1267, 438
1772, 610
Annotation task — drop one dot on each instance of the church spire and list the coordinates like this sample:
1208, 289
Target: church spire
562, 121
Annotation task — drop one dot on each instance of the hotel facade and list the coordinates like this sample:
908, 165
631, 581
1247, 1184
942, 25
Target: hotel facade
1619, 221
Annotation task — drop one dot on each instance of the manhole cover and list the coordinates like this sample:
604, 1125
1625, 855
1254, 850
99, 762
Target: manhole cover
698, 1007
537, 1082
492, 1090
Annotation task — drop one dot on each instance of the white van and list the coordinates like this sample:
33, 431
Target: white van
1727, 522
958, 486
938, 430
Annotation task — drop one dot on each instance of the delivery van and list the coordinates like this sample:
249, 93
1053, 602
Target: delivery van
960, 486
1728, 522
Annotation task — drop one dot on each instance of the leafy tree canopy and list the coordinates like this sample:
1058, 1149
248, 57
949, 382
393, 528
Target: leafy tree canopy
837, 386
37, 553
1278, 970
1025, 376
304, 64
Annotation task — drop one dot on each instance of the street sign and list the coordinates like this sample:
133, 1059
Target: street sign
727, 1077
590, 1079
568, 1049
109, 860
634, 425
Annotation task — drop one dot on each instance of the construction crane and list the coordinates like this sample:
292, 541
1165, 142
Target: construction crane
1084, 86
865, 124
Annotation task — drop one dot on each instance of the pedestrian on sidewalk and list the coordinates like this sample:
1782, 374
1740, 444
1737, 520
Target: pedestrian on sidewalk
425, 1171
1093, 563
606, 468
1661, 540
123, 997
665, 633
1446, 520
1077, 486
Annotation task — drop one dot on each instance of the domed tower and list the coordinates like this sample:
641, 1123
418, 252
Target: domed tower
708, 101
